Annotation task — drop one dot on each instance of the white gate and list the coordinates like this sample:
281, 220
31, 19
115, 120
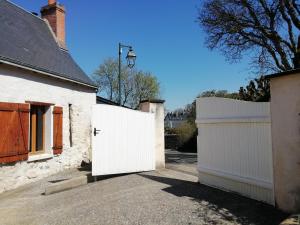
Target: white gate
234, 146
123, 140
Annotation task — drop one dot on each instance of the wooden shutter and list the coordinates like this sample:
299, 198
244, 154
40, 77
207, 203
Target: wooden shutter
57, 130
14, 128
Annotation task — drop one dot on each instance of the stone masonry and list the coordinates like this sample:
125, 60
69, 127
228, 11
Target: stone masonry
18, 86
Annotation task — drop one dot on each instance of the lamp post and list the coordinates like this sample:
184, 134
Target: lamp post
131, 57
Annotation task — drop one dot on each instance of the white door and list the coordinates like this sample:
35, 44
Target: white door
123, 140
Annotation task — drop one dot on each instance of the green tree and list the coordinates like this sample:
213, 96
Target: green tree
136, 85
146, 86
258, 90
190, 109
267, 29
219, 93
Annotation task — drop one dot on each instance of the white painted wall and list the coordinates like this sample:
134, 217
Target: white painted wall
157, 107
125, 142
234, 146
285, 113
18, 86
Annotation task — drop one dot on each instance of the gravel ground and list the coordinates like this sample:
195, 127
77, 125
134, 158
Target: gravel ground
160, 197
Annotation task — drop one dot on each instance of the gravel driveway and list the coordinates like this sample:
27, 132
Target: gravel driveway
161, 197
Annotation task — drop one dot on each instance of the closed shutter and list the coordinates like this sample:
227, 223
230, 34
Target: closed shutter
57, 130
14, 128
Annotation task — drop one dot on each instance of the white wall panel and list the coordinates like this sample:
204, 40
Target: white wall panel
125, 142
234, 146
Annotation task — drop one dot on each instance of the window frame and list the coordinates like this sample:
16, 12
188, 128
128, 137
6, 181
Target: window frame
47, 152
35, 151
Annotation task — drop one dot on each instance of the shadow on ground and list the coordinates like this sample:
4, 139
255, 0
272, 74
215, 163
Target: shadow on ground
215, 206
88, 168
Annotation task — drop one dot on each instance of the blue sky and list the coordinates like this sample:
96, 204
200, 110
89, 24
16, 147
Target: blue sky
164, 34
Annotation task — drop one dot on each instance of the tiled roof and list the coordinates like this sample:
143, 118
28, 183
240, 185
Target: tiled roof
26, 40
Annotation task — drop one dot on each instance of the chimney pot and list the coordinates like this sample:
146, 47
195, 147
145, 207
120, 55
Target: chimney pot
51, 2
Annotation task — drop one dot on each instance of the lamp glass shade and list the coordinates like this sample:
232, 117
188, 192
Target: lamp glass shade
131, 57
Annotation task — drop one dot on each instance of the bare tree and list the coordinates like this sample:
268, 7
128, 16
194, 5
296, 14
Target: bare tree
127, 82
136, 85
146, 87
266, 29
106, 77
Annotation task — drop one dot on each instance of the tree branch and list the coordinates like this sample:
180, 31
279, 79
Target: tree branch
263, 43
268, 24
296, 6
292, 13
289, 25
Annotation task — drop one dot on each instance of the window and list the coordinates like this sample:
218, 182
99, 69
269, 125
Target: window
45, 131
37, 129
33, 129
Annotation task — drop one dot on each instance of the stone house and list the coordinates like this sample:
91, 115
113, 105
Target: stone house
45, 100
173, 120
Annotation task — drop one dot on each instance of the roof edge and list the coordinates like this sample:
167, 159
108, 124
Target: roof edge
153, 101
284, 73
38, 70
109, 102
20, 7
105, 100
53, 35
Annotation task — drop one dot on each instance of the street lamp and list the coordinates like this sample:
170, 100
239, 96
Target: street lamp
131, 57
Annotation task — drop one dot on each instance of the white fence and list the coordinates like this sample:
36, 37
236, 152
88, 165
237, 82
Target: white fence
124, 140
234, 147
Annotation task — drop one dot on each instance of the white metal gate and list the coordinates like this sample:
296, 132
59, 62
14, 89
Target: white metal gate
123, 140
235, 147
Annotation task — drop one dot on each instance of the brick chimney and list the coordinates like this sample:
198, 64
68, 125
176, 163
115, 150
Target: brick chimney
55, 14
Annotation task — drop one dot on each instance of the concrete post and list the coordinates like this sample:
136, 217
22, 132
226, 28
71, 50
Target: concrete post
157, 107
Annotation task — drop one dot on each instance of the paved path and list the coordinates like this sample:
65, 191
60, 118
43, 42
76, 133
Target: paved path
176, 157
160, 197
181, 161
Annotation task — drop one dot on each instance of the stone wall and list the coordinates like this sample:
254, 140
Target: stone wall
18, 86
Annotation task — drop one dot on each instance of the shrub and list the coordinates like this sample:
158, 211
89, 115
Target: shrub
187, 137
